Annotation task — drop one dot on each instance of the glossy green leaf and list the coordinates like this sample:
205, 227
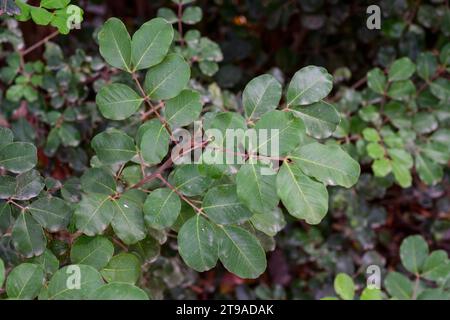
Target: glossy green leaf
25, 281
155, 142
51, 213
188, 180
115, 44
183, 109
124, 267
321, 119
28, 185
401, 69
98, 180
128, 222
18, 157
113, 146
94, 213
28, 236
269, 223
429, 172
376, 80
161, 208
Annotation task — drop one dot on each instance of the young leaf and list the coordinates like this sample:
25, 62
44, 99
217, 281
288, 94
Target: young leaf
344, 286
118, 101
115, 44
261, 95
197, 244
95, 252
151, 43
328, 164
241, 253
310, 84
161, 208
167, 79
303, 197
25, 281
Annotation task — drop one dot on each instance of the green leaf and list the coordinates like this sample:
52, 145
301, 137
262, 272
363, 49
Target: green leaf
413, 252
150, 43
401, 69
155, 142
148, 249
241, 253
28, 185
261, 95
119, 291
303, 197
321, 119
222, 206
310, 84
198, 244
28, 236
183, 109
381, 167
113, 146
115, 44
167, 79
376, 80
429, 172
7, 187
51, 213
118, 101
94, 213
2, 273
344, 286
168, 14
256, 191
398, 286
18, 157
441, 89
371, 294
47, 261
98, 180
436, 266
161, 208
402, 90
128, 222
278, 133
426, 65
95, 252
269, 223
64, 283
402, 162
188, 180
328, 164
124, 267
54, 4
192, 15
41, 16
371, 135
6, 137
25, 281
375, 150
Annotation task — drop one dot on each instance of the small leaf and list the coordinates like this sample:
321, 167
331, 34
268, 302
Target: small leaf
371, 294
25, 281
98, 180
398, 286
436, 266
198, 245
115, 44
167, 79
192, 15
118, 101
128, 221
155, 142
183, 109
124, 267
28, 185
47, 261
429, 172
150, 43
344, 286
413, 252
376, 80
161, 208
94, 213
401, 69
41, 16
426, 65
54, 4
261, 95
95, 252
241, 253
188, 180
310, 84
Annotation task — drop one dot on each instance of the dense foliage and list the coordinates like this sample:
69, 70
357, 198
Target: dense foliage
174, 162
